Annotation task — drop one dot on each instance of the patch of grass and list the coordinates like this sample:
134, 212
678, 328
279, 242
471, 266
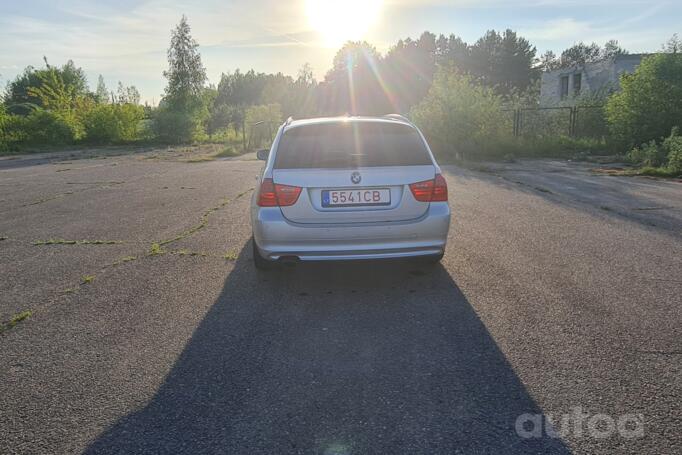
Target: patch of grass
227, 152
230, 256
75, 242
87, 279
663, 171
203, 222
16, 319
243, 193
647, 171
156, 249
123, 260
200, 159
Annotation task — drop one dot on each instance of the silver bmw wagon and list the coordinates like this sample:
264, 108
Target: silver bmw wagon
349, 188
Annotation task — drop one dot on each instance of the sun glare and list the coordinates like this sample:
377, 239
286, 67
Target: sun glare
341, 21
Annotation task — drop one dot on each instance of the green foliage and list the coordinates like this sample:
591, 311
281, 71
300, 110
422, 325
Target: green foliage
177, 127
101, 93
113, 123
186, 74
674, 147
262, 123
648, 154
659, 157
650, 102
42, 127
20, 97
459, 118
183, 112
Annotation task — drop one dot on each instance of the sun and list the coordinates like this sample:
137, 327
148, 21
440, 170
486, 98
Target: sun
341, 21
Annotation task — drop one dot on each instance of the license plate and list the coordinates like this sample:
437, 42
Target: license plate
352, 198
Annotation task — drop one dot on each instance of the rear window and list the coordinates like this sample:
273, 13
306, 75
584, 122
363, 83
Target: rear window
349, 145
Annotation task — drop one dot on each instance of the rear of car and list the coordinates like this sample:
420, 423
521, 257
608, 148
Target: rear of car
349, 188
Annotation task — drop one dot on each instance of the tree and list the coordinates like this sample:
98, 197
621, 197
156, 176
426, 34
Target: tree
673, 45
549, 62
460, 117
18, 97
126, 95
503, 61
582, 53
649, 104
102, 93
579, 54
182, 112
186, 74
354, 83
612, 49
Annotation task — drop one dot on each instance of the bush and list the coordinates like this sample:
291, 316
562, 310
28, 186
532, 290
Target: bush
183, 124
666, 156
675, 157
672, 146
262, 122
42, 127
649, 104
461, 119
649, 154
113, 123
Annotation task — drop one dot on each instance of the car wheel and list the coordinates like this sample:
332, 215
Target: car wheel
259, 261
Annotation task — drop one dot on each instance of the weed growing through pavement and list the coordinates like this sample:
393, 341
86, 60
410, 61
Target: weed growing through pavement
87, 279
155, 249
16, 319
123, 260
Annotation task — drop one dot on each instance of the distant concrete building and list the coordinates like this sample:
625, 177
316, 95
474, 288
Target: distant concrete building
562, 85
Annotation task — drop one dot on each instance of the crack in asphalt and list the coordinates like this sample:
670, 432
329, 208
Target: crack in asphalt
228, 256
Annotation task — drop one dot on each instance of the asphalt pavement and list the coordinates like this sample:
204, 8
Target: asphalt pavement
552, 325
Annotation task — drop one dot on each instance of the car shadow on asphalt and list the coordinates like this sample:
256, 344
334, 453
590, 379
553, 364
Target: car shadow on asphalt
369, 357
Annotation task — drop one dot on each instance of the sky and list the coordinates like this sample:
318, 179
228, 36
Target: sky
126, 40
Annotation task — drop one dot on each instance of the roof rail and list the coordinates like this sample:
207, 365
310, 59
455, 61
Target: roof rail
289, 120
398, 117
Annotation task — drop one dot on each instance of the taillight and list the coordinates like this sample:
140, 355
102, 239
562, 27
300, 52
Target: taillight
435, 190
440, 189
274, 194
287, 195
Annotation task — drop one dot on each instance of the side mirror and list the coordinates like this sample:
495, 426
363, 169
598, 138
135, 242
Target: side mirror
263, 154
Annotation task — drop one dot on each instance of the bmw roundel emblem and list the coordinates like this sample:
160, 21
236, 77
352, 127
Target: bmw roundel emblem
355, 177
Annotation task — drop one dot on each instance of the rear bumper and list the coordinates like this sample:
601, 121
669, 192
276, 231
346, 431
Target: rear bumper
277, 237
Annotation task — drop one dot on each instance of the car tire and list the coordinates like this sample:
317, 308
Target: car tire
259, 261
